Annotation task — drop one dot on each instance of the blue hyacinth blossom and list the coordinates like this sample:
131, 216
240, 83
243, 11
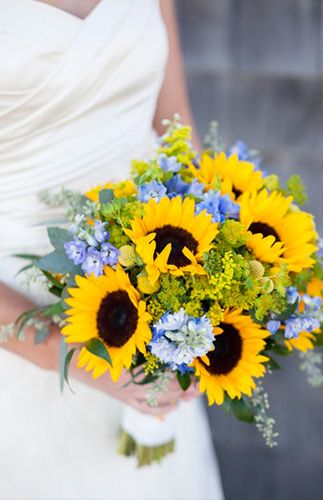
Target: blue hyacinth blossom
179, 338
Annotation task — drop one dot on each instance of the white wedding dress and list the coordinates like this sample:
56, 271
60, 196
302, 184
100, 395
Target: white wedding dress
77, 98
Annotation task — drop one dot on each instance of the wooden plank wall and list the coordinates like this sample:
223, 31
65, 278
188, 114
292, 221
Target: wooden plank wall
256, 67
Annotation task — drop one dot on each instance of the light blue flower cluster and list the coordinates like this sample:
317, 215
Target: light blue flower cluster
176, 186
241, 149
152, 190
221, 207
92, 250
179, 338
307, 320
168, 163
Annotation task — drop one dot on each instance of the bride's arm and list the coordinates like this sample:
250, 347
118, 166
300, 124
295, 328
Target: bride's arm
46, 356
173, 97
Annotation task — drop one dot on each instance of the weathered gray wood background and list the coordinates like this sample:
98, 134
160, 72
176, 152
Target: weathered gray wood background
256, 67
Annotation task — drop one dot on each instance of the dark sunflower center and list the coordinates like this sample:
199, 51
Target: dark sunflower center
116, 319
227, 351
236, 191
179, 239
264, 229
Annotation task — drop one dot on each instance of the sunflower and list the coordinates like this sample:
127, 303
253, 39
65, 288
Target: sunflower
171, 238
235, 360
120, 190
304, 342
107, 307
278, 234
236, 176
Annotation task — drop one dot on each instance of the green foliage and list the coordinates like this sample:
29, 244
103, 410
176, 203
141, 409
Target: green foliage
58, 237
234, 233
122, 211
106, 196
177, 142
242, 410
184, 380
172, 292
155, 309
97, 347
296, 188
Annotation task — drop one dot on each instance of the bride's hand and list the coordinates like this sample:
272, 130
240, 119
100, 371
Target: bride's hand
136, 395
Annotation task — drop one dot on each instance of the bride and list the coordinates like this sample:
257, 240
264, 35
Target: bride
82, 85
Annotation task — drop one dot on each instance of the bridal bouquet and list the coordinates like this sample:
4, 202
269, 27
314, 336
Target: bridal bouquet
200, 267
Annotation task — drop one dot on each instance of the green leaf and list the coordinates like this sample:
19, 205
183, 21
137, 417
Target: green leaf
53, 280
242, 410
54, 309
105, 196
289, 310
62, 358
68, 359
318, 339
272, 363
58, 237
57, 262
41, 335
184, 380
97, 347
282, 350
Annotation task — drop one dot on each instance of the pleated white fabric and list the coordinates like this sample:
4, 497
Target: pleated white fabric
77, 98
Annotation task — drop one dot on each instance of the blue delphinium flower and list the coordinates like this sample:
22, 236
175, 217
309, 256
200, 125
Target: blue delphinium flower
179, 338
109, 254
228, 208
241, 149
195, 188
92, 263
273, 326
305, 320
210, 203
220, 207
76, 251
168, 163
152, 189
100, 233
176, 186
292, 294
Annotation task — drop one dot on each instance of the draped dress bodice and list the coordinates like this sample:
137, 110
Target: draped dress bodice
77, 99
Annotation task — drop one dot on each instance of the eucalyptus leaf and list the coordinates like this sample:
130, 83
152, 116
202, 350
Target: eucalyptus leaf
242, 410
27, 256
57, 262
41, 335
105, 196
96, 346
58, 237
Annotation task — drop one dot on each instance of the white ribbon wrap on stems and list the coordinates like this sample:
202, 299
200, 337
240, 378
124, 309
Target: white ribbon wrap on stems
148, 430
